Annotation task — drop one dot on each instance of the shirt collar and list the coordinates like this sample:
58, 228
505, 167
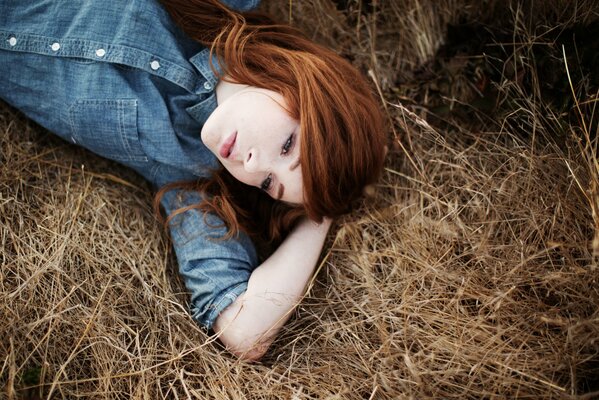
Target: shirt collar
201, 61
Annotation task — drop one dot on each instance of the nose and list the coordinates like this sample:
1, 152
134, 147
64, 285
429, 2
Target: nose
250, 161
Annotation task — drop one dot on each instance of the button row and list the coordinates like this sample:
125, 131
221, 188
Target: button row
12, 41
155, 64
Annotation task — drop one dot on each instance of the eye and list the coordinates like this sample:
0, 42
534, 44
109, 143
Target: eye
267, 183
288, 144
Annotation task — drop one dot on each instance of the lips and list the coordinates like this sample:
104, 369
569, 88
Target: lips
227, 147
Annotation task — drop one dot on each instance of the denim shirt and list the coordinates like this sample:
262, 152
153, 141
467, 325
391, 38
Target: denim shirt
120, 79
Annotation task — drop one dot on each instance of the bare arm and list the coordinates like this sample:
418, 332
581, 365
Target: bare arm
249, 325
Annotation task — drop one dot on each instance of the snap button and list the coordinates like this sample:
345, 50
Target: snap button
12, 41
207, 85
154, 65
100, 52
55, 46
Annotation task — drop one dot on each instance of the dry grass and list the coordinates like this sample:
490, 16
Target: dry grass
470, 273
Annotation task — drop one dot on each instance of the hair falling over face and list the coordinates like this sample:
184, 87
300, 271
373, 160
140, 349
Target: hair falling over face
343, 143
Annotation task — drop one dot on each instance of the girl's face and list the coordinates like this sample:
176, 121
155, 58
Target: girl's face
256, 140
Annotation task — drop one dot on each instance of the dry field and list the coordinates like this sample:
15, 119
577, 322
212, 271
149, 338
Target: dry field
471, 271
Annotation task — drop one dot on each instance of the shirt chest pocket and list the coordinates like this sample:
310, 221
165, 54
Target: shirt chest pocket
108, 127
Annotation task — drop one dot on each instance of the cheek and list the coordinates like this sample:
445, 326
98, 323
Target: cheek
241, 174
265, 118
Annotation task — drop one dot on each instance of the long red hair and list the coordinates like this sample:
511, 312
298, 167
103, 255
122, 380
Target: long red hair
343, 140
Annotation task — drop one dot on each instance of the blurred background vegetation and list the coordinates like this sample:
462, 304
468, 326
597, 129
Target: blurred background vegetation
470, 272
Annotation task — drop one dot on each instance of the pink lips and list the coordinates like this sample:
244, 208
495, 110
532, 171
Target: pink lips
227, 147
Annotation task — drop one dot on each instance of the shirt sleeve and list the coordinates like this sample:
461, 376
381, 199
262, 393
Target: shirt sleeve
215, 271
241, 5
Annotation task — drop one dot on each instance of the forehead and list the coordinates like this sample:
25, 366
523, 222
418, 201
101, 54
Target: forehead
291, 188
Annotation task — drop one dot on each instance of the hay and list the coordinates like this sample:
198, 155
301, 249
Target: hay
471, 271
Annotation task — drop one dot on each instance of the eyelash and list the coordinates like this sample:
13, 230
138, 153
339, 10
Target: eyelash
267, 183
288, 144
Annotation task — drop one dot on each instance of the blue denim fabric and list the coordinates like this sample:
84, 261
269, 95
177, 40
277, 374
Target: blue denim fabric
120, 79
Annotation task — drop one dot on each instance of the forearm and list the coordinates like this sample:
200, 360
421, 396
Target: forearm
250, 324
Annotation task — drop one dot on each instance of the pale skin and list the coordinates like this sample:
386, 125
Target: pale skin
249, 325
253, 136
257, 141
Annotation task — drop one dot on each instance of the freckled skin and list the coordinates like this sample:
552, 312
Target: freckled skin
263, 129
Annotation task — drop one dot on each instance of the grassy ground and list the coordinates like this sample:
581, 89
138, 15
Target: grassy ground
471, 272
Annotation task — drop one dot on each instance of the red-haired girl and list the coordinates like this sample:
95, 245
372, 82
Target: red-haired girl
251, 131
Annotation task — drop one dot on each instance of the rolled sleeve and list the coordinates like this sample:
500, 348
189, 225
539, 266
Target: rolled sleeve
215, 271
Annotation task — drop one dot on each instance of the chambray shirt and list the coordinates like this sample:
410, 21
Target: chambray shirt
120, 79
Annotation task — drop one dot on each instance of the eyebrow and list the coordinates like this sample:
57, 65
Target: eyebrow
294, 165
281, 191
